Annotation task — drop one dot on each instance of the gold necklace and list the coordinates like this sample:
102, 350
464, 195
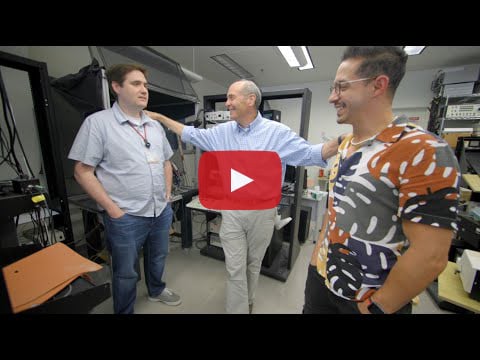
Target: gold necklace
363, 141
370, 138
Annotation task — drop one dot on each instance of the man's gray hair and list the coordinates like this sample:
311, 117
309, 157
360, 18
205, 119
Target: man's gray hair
249, 87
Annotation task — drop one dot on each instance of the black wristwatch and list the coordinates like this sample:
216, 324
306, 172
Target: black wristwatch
373, 307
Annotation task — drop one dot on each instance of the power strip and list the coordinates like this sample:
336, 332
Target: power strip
26, 238
59, 236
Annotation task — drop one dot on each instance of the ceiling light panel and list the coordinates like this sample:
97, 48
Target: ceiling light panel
230, 64
289, 55
292, 54
414, 50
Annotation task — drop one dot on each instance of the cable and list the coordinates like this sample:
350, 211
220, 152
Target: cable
52, 223
41, 226
89, 245
9, 143
4, 147
52, 239
85, 237
69, 291
437, 82
38, 232
6, 102
197, 122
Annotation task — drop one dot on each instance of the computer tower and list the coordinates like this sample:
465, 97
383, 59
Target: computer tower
273, 248
278, 237
304, 223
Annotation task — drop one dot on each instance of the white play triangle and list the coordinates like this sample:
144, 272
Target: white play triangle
238, 180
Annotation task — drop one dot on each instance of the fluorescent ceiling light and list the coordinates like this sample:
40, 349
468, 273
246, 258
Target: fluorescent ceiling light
227, 62
288, 54
414, 50
292, 60
309, 64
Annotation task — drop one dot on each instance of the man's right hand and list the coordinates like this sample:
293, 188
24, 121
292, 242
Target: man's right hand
116, 213
151, 114
173, 125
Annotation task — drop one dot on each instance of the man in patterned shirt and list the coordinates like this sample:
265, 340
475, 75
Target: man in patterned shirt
393, 195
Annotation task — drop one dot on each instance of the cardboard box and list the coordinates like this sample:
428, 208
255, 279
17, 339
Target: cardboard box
451, 138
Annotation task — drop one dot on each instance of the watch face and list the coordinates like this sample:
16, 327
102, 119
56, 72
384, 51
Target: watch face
374, 309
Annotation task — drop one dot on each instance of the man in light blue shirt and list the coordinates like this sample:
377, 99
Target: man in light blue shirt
123, 164
246, 234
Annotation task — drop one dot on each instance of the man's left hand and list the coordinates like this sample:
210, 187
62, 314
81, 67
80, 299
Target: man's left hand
363, 307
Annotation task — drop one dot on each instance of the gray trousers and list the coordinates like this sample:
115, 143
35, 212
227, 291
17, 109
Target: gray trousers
245, 236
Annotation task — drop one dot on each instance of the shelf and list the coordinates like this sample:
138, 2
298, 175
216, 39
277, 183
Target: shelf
450, 119
476, 95
457, 130
461, 119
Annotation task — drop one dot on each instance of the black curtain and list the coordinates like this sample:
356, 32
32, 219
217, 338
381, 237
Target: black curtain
75, 96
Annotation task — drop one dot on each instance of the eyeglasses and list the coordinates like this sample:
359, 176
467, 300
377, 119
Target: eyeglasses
343, 85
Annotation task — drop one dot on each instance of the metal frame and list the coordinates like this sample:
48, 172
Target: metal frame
306, 96
48, 135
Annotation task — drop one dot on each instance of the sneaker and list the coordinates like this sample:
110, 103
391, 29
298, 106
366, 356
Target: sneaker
167, 297
279, 223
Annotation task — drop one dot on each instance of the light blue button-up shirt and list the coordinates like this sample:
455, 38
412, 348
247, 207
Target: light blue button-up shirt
132, 174
261, 134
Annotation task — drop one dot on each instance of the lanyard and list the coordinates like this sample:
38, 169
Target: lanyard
144, 137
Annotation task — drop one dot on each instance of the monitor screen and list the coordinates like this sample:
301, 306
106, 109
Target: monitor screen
473, 159
290, 174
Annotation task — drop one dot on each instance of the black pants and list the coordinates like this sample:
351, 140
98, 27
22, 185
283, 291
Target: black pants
320, 300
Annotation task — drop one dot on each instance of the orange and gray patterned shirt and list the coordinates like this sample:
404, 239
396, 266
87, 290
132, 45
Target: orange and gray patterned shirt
404, 173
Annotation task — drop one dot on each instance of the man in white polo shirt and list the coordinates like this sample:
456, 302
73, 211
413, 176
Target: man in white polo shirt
123, 164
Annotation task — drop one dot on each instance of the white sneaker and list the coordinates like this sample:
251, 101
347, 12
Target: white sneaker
281, 223
168, 297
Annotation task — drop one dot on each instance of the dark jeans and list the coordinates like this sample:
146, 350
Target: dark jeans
125, 237
320, 300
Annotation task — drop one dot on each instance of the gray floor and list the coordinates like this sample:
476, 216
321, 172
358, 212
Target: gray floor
200, 281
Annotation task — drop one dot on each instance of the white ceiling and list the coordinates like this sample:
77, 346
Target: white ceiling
270, 69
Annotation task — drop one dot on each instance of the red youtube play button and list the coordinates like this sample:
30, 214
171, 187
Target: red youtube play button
240, 180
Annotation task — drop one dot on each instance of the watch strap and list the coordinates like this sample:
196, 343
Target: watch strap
373, 307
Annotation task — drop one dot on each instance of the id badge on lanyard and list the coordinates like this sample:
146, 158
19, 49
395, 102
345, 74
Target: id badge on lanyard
152, 158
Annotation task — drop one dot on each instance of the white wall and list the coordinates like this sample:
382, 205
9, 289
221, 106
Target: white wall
413, 97
61, 60
413, 93
16, 50
202, 88
207, 87
322, 114
414, 90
